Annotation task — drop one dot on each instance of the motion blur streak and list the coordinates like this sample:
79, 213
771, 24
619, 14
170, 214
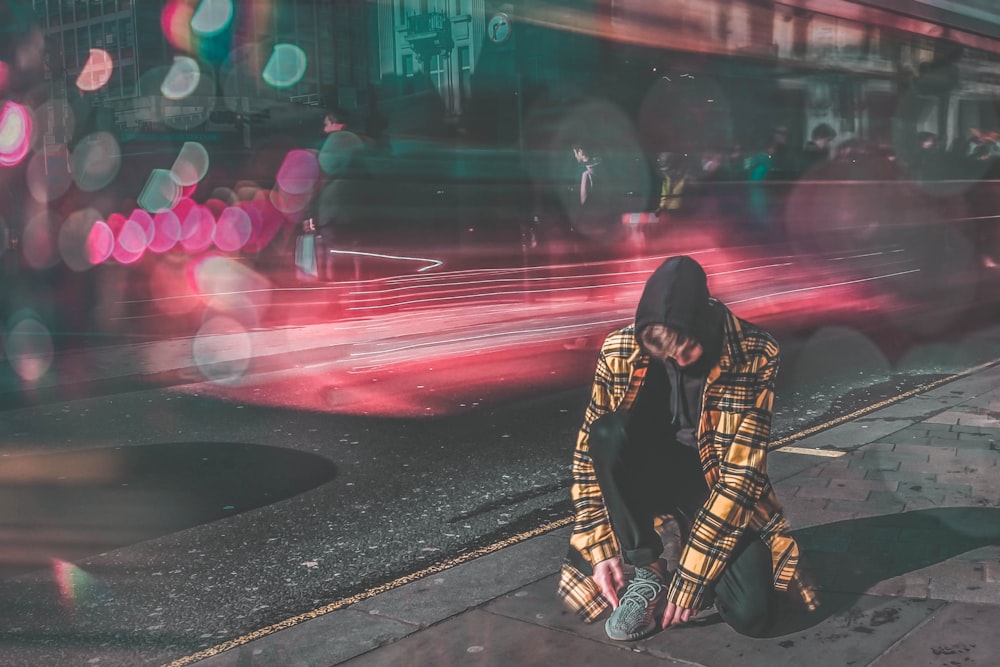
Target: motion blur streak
818, 287
435, 345
431, 263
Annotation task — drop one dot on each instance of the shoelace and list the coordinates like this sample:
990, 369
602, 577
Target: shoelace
635, 593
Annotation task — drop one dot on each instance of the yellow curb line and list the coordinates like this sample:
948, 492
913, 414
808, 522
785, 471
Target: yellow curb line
829, 453
781, 443
372, 592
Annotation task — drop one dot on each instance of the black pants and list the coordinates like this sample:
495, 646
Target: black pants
641, 478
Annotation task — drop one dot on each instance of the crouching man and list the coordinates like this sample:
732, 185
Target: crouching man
678, 424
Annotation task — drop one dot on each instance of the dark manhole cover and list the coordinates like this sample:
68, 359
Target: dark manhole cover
70, 505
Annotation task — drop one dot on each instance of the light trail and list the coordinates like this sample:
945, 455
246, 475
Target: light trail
520, 280
820, 287
488, 336
466, 297
431, 263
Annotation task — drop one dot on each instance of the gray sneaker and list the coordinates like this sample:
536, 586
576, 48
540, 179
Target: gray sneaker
638, 609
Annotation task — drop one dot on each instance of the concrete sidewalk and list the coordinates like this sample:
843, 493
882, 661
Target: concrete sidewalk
898, 512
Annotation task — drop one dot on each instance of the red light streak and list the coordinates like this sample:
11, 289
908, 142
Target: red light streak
445, 342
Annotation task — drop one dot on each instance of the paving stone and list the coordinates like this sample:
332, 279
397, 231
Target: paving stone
965, 388
805, 479
914, 439
992, 571
887, 504
986, 421
810, 518
804, 511
937, 429
324, 641
988, 554
971, 429
941, 467
910, 585
782, 465
482, 639
447, 593
846, 468
879, 446
949, 417
957, 634
872, 463
903, 476
881, 458
848, 629
965, 416
962, 581
849, 489
853, 434
916, 493
854, 635
988, 474
986, 456
927, 451
981, 439
985, 495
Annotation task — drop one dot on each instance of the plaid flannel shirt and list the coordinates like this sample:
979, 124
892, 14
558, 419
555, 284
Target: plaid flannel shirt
733, 437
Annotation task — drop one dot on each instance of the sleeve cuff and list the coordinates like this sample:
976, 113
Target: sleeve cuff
602, 551
688, 594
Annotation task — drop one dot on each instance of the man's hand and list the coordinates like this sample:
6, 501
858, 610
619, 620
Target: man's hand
609, 578
674, 615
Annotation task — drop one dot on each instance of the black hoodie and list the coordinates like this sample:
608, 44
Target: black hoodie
677, 296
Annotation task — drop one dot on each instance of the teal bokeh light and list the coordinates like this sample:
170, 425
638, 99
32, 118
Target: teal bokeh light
212, 17
286, 66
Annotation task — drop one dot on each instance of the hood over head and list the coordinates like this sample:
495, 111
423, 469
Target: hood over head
676, 295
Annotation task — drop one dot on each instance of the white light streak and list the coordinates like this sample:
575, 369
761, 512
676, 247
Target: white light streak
819, 287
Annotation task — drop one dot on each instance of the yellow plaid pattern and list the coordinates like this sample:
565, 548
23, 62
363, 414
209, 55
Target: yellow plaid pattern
733, 437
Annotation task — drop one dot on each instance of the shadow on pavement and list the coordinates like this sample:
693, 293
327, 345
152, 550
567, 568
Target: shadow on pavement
65, 506
847, 557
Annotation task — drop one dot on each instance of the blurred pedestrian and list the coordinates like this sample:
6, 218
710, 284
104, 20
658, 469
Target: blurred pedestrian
926, 161
674, 179
817, 150
782, 164
339, 206
679, 424
595, 217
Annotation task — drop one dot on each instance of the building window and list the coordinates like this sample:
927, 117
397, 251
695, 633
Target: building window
129, 83
438, 74
465, 72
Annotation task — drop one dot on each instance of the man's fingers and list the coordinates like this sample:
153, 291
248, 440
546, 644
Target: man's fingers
668, 615
608, 589
617, 576
674, 615
610, 593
